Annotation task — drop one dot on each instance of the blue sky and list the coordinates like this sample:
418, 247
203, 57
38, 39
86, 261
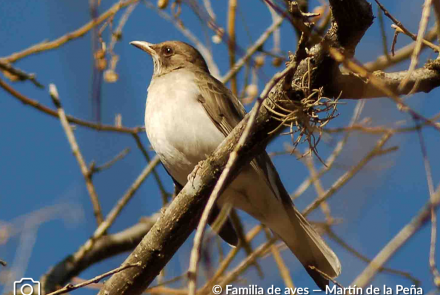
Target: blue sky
38, 170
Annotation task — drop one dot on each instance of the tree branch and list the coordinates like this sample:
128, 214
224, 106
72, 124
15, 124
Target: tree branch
352, 86
105, 247
35, 104
44, 46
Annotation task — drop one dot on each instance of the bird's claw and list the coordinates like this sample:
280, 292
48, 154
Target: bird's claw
193, 174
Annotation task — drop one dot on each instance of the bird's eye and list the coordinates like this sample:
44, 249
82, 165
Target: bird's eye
167, 51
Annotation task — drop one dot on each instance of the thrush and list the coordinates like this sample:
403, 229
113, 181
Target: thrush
188, 114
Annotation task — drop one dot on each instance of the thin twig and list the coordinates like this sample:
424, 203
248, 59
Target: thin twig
334, 155
381, 129
383, 62
232, 9
383, 34
260, 41
283, 269
432, 264
415, 55
325, 208
227, 261
17, 74
331, 234
44, 46
116, 34
233, 274
164, 194
391, 17
121, 155
152, 290
398, 241
348, 175
436, 6
77, 153
70, 287
114, 213
96, 68
241, 233
209, 9
35, 104
415, 37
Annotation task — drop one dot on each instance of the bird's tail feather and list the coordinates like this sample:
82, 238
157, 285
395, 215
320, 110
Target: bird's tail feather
307, 245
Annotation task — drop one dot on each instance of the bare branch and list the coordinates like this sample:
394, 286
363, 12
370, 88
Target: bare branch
77, 153
383, 62
354, 87
17, 74
401, 238
44, 46
121, 155
70, 287
105, 247
35, 104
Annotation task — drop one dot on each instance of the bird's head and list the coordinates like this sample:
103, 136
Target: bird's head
171, 55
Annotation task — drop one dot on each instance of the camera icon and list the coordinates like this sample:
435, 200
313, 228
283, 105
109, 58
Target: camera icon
27, 286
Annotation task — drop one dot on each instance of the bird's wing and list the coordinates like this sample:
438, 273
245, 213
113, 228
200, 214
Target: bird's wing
227, 231
223, 108
226, 111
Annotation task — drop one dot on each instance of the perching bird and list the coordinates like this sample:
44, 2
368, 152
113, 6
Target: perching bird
188, 114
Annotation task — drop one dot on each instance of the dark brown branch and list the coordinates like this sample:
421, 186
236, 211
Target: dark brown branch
353, 87
350, 20
17, 74
106, 247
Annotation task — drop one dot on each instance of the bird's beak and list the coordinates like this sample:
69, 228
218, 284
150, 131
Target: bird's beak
145, 46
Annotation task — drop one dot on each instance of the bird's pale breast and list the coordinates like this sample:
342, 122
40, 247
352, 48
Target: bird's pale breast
177, 125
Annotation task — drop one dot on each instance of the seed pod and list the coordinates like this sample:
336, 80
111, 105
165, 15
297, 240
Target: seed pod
162, 4
110, 76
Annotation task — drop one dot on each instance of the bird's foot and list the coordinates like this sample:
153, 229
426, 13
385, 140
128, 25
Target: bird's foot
192, 175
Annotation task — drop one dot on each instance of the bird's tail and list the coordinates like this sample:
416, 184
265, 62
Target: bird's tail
306, 244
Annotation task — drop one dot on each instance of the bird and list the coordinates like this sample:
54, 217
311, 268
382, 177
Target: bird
188, 114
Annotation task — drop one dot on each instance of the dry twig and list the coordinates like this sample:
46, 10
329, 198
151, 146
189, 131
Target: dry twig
70, 287
398, 241
77, 153
44, 46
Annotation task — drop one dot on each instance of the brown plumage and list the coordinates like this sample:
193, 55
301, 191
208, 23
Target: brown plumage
188, 114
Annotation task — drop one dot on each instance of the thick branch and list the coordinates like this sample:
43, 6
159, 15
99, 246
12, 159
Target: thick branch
104, 248
421, 80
